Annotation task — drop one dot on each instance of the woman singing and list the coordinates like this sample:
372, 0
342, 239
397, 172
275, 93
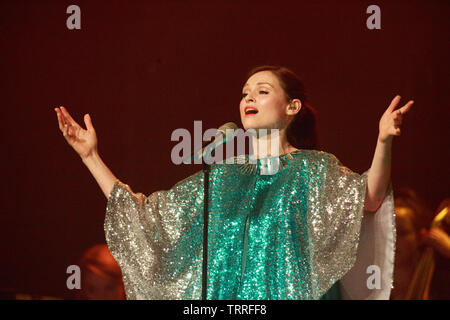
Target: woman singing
296, 224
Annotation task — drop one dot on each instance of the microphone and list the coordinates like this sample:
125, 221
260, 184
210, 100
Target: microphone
209, 146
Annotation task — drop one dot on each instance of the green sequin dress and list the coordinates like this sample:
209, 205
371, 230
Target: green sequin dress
297, 232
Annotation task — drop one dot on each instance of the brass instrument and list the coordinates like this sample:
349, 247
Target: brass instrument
421, 281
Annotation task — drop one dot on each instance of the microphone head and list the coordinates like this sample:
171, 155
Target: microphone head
229, 125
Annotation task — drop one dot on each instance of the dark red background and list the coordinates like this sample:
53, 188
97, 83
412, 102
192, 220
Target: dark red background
141, 69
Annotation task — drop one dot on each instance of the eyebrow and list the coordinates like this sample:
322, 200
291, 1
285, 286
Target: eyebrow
260, 83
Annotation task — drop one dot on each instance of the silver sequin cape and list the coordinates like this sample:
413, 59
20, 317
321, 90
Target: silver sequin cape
288, 235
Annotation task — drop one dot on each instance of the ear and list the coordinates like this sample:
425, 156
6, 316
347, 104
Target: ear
293, 107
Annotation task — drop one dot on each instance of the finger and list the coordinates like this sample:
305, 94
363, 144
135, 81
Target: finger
393, 104
64, 120
74, 132
60, 123
397, 114
88, 122
69, 130
60, 117
65, 134
406, 107
68, 117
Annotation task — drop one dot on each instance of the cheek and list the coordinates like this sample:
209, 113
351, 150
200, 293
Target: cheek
273, 107
241, 105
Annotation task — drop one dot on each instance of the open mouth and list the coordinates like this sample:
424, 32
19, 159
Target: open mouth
250, 111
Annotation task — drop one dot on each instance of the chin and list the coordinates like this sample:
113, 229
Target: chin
251, 124
256, 126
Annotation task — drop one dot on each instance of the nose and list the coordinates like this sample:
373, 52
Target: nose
248, 98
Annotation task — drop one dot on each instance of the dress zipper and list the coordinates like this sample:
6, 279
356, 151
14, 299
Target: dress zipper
244, 254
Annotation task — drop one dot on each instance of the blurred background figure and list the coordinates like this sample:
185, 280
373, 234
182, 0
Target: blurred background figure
422, 249
438, 239
411, 217
101, 277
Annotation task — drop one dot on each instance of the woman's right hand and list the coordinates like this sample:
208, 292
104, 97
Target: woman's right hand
84, 142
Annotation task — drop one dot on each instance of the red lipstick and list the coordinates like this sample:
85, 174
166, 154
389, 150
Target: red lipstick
249, 110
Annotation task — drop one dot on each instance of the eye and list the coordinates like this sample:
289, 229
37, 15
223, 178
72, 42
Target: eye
263, 92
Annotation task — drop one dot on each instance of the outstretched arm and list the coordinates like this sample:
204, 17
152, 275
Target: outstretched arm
380, 170
84, 142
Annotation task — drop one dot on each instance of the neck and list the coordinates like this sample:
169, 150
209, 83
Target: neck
270, 143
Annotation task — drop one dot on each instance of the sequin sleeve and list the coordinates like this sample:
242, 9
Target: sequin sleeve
337, 214
371, 276
142, 230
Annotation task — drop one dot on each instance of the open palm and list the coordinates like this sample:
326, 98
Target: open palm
84, 142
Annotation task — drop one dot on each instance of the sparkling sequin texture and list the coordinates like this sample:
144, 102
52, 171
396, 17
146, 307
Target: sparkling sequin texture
287, 235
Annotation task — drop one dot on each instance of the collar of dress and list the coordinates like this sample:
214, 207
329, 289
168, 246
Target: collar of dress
264, 166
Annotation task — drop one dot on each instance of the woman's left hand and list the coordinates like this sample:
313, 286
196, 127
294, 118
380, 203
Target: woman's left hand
391, 120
